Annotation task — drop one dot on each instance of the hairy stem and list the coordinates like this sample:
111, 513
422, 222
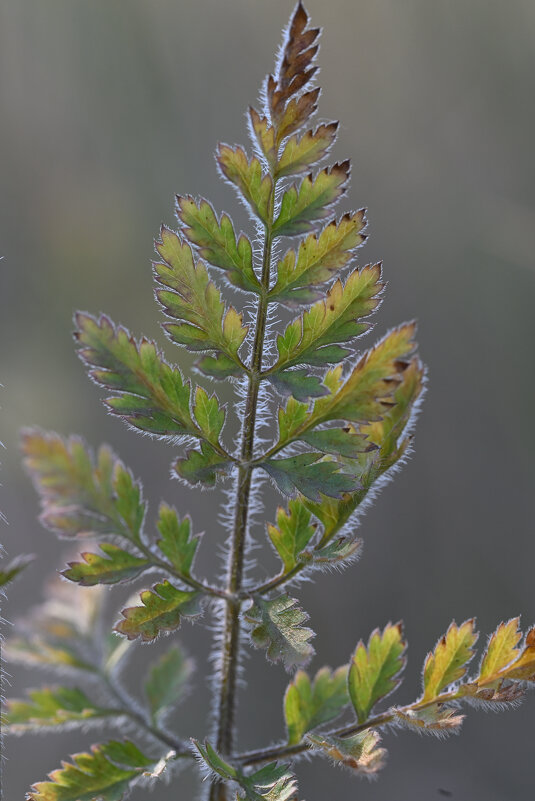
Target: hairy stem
231, 632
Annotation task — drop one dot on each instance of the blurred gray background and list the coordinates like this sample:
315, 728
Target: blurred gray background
108, 108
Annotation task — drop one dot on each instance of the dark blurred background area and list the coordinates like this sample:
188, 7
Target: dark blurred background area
108, 108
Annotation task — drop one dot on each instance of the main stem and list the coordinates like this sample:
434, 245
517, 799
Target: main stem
231, 633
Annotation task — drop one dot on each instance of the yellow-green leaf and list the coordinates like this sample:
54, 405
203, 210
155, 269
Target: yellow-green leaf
311, 200
360, 752
309, 703
300, 152
216, 241
177, 542
375, 669
51, 708
292, 533
310, 338
188, 296
246, 174
317, 258
161, 611
111, 566
449, 660
502, 649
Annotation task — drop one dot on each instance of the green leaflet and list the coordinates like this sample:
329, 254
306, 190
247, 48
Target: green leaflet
161, 611
277, 628
247, 176
111, 566
433, 719
302, 151
153, 396
387, 435
296, 113
105, 773
317, 258
308, 704
216, 241
9, 572
188, 296
366, 395
359, 752
312, 200
502, 649
311, 338
298, 383
339, 441
374, 670
177, 542
292, 533
448, 661
51, 707
201, 467
166, 681
264, 137
79, 495
310, 477
273, 782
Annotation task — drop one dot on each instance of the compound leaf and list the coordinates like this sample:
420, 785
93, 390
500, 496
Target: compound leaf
105, 773
277, 628
162, 609
247, 176
310, 338
167, 680
215, 239
312, 200
359, 752
317, 258
51, 707
111, 566
177, 542
310, 703
292, 533
79, 495
374, 671
448, 661
310, 477
153, 396
187, 295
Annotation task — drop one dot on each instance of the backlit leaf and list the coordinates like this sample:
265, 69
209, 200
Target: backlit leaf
523, 668
277, 628
111, 566
79, 495
177, 542
298, 383
188, 296
434, 719
167, 680
311, 200
161, 611
340, 441
216, 241
310, 338
104, 774
201, 467
317, 258
300, 152
309, 703
448, 661
502, 649
247, 176
153, 396
292, 533
374, 670
310, 477
360, 752
51, 707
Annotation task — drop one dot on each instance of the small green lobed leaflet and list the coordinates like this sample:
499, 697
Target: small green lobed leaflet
311, 200
167, 681
311, 703
161, 611
360, 752
448, 662
276, 627
247, 176
375, 668
177, 543
51, 708
292, 533
112, 566
106, 772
